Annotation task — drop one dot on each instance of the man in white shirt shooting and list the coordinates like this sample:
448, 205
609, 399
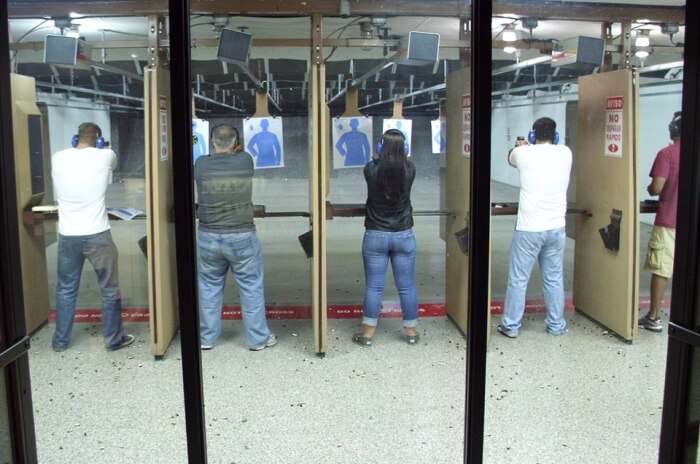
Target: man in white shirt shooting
544, 168
80, 178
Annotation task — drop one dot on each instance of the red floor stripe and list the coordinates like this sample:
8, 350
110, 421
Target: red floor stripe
535, 306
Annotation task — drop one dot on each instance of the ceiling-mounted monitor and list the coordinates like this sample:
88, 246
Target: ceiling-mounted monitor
581, 54
62, 50
421, 48
234, 46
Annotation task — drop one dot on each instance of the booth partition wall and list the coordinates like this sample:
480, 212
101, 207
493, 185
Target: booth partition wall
246, 251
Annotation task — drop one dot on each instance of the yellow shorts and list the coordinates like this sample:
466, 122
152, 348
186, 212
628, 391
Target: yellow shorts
662, 245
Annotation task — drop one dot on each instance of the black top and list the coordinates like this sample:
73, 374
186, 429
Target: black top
225, 192
385, 214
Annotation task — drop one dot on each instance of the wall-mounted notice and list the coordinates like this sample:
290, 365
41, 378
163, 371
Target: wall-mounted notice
404, 125
613, 127
351, 147
466, 125
438, 130
163, 123
264, 141
200, 138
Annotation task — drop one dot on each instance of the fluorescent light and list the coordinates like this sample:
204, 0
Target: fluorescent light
643, 39
510, 50
509, 34
74, 15
73, 33
134, 55
641, 53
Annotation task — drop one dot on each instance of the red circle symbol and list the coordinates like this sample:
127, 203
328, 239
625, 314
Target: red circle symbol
613, 148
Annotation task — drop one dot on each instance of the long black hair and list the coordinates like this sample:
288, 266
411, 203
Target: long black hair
393, 165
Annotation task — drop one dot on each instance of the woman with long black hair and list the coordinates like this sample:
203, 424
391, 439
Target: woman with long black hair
389, 236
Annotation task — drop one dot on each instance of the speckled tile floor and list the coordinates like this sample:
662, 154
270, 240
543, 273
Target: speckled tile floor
586, 395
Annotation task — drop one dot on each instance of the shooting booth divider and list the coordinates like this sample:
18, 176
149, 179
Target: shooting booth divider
29, 148
162, 270
606, 267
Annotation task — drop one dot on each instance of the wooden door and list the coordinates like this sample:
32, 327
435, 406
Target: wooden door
606, 282
162, 270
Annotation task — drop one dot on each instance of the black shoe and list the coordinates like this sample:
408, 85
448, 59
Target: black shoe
361, 340
126, 341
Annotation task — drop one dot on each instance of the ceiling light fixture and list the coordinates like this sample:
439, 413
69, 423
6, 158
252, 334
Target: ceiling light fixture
643, 39
509, 33
642, 52
510, 50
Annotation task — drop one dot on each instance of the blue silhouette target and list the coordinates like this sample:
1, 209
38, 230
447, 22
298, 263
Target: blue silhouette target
404, 125
264, 141
438, 129
200, 138
351, 142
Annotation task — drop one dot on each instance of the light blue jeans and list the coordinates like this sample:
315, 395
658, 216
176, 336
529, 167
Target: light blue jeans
378, 248
100, 251
528, 247
242, 254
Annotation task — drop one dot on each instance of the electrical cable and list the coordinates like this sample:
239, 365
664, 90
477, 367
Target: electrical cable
340, 32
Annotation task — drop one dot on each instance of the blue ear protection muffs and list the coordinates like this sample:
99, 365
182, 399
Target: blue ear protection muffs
674, 127
380, 145
99, 143
532, 138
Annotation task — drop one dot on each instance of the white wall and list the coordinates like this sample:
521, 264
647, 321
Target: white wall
64, 117
657, 107
514, 120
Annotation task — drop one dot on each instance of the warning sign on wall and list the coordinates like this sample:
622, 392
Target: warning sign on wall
163, 123
466, 125
613, 127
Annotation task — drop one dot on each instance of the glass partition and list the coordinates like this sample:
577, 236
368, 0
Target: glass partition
92, 156
585, 152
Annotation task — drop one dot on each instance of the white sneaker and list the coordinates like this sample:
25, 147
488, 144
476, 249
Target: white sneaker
272, 341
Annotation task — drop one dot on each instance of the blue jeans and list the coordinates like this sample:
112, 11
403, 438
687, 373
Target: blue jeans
242, 253
100, 251
548, 248
377, 249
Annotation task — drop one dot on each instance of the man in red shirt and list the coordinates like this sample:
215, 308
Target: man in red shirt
664, 174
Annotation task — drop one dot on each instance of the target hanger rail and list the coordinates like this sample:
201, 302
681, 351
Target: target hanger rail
434, 88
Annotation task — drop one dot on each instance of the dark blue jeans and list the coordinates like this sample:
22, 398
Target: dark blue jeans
100, 251
378, 248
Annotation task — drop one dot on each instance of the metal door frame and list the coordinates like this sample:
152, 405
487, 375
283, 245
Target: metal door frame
683, 328
14, 342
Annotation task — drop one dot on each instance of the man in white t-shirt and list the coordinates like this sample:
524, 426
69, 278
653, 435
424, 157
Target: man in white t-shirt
539, 236
80, 178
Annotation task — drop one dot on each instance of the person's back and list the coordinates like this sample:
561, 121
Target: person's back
80, 179
539, 236
225, 192
226, 240
544, 180
385, 213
